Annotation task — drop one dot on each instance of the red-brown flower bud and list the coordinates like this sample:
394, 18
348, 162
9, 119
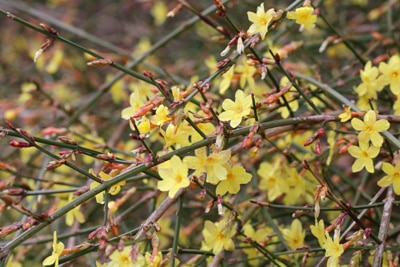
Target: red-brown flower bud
20, 144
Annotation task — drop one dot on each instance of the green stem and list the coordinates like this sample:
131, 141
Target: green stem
176, 232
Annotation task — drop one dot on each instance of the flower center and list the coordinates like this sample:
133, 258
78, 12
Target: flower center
178, 178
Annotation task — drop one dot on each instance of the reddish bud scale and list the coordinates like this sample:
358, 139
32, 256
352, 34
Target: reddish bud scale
321, 132
193, 185
94, 233
55, 164
29, 223
148, 74
223, 63
221, 9
15, 191
15, 143
7, 166
82, 190
135, 136
318, 147
26, 134
48, 28
114, 229
310, 140
75, 249
344, 149
4, 231
107, 156
9, 125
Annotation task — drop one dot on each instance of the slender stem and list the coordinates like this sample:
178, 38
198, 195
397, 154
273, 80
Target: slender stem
176, 232
384, 226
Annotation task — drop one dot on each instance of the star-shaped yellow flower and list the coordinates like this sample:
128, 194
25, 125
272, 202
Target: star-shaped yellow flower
57, 251
392, 177
333, 249
218, 237
364, 155
261, 20
236, 176
175, 176
235, 111
391, 73
303, 16
346, 115
370, 128
294, 235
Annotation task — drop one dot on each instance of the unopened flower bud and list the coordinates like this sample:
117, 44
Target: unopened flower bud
67, 140
20, 144
55, 164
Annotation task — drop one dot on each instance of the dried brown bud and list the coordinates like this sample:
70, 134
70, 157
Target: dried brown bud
221, 8
48, 28
223, 63
175, 10
67, 140
15, 191
108, 156
55, 164
6, 230
100, 62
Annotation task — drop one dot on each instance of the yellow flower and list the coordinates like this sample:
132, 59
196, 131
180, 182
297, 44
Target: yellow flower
174, 135
346, 115
226, 80
135, 103
263, 235
236, 176
371, 84
261, 20
113, 190
74, 214
333, 249
123, 259
364, 155
396, 107
392, 177
57, 251
159, 12
370, 128
295, 235
235, 111
13, 263
153, 261
175, 176
318, 230
246, 74
303, 16
295, 185
213, 165
272, 179
217, 236
391, 73
161, 116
